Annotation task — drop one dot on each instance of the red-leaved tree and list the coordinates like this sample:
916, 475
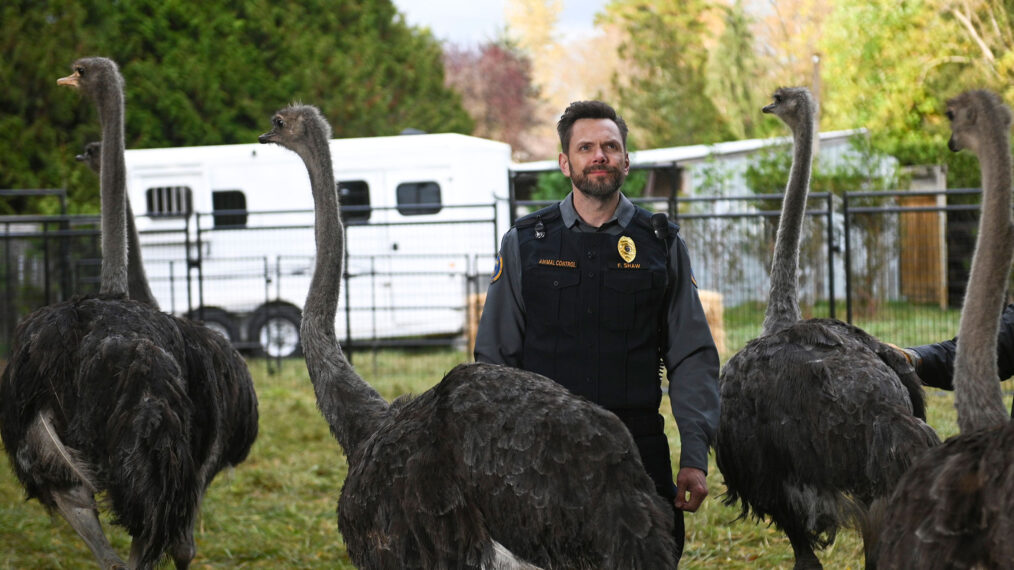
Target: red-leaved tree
495, 83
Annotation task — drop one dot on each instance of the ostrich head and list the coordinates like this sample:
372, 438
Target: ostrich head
791, 105
971, 114
92, 155
94, 76
297, 128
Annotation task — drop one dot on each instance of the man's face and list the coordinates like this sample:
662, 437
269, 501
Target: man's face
596, 161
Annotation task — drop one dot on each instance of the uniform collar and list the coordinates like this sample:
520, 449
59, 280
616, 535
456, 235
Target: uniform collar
622, 216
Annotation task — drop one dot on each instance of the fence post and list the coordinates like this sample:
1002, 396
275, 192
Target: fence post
190, 263
674, 206
348, 306
9, 311
45, 262
848, 257
200, 264
830, 254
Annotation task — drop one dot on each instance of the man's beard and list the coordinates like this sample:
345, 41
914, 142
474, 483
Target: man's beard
598, 186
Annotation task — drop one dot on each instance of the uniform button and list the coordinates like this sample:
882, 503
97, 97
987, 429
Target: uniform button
556, 283
591, 274
591, 255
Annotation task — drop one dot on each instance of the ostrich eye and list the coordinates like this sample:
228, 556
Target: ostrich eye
777, 98
950, 115
279, 123
79, 70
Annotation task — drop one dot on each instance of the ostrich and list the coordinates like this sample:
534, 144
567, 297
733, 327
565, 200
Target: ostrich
491, 468
819, 419
952, 509
105, 395
137, 282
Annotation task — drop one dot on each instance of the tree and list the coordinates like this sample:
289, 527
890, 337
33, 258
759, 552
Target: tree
736, 83
664, 89
880, 75
495, 83
199, 73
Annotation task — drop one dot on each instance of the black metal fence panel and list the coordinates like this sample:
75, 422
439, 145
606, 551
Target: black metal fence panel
893, 263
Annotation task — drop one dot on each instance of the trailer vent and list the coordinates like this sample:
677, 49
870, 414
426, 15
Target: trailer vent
169, 201
354, 197
417, 198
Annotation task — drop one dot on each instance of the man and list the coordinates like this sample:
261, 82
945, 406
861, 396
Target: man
596, 294
935, 362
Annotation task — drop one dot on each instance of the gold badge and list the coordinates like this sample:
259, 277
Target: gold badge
628, 251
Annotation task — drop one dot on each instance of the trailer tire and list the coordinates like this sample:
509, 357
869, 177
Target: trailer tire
275, 331
218, 320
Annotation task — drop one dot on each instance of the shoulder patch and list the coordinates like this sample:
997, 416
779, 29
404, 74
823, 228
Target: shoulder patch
497, 269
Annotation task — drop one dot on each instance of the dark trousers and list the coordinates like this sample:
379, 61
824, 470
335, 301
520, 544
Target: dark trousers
649, 435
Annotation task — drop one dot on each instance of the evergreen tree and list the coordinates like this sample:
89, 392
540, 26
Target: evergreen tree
200, 73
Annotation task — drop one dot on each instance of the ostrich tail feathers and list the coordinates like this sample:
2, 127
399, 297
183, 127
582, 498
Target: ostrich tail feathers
42, 437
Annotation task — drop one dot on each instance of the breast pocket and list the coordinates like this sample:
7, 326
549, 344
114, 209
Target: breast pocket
551, 295
626, 294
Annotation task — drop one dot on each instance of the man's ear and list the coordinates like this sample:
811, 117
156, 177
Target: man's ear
564, 164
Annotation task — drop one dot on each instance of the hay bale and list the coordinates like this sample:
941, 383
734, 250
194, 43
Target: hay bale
713, 311
475, 303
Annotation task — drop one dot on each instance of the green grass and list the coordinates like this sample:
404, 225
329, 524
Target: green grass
903, 324
277, 509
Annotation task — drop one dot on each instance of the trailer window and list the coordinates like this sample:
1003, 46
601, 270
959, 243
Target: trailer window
229, 208
354, 197
416, 198
168, 201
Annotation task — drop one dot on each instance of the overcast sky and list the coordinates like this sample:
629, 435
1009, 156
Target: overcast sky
469, 22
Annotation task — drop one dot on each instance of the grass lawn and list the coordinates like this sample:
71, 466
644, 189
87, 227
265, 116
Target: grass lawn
277, 509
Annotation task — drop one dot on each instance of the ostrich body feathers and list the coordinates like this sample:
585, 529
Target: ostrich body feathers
819, 419
148, 408
952, 510
493, 467
836, 430
526, 457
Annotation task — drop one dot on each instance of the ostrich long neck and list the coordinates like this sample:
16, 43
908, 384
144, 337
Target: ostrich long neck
112, 176
977, 394
351, 407
137, 280
783, 306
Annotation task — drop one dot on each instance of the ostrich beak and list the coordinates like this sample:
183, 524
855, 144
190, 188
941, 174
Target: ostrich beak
768, 108
70, 80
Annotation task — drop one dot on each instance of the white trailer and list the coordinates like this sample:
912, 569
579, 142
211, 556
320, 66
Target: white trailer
424, 214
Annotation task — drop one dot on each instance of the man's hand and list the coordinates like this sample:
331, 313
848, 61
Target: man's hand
693, 482
910, 355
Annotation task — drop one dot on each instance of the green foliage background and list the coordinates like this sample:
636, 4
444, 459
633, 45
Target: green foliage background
202, 73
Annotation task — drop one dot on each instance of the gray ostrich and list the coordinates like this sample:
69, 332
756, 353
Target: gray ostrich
819, 419
491, 468
137, 281
953, 507
105, 395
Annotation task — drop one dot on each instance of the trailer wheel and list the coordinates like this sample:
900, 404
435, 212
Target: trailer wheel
275, 330
217, 320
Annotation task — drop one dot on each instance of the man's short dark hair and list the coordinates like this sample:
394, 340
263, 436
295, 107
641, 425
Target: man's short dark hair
587, 110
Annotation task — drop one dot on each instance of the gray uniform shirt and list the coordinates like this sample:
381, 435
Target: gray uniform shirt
691, 358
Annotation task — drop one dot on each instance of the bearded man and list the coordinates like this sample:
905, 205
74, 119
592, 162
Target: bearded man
598, 294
